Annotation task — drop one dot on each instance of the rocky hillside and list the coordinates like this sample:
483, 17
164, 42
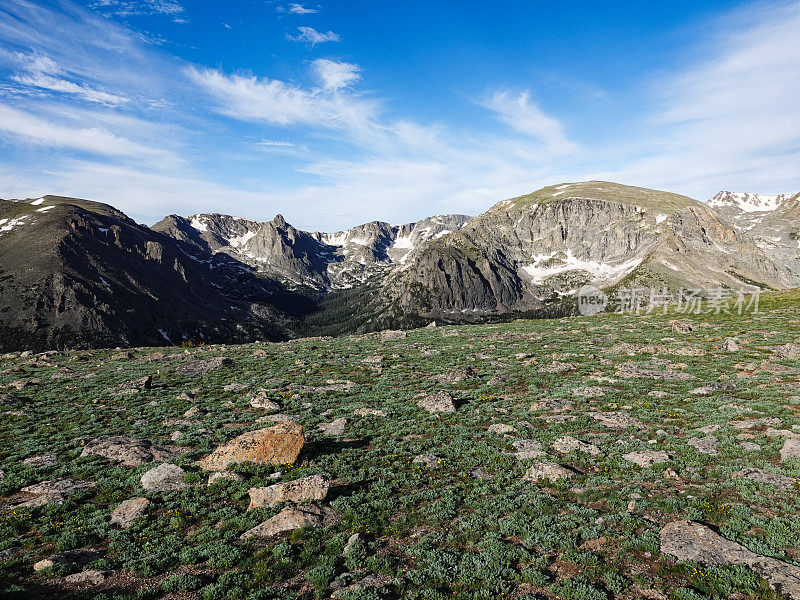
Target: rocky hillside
74, 272
320, 261
546, 245
212, 276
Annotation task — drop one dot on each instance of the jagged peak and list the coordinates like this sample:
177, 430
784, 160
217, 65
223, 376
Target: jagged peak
749, 202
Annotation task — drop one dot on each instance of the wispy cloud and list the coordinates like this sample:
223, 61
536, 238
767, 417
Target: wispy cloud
523, 115
139, 7
336, 75
297, 9
312, 36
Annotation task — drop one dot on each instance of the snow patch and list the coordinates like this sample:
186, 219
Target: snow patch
599, 271
198, 224
747, 202
37, 202
45, 208
241, 240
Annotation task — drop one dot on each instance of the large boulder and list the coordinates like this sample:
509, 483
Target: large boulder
314, 487
291, 518
766, 478
278, 445
164, 478
697, 543
53, 491
128, 451
548, 470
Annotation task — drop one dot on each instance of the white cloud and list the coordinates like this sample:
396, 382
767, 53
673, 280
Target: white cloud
30, 128
139, 7
523, 115
297, 9
312, 36
336, 75
730, 120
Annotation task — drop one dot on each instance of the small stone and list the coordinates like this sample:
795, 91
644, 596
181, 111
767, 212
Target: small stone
165, 477
126, 513
192, 412
264, 403
750, 446
680, 326
369, 412
68, 558
44, 460
527, 449
766, 478
730, 345
391, 335
351, 541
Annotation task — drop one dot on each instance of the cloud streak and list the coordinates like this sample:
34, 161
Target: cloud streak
313, 37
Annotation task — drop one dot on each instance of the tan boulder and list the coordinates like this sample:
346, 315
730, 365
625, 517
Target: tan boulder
291, 518
314, 487
278, 445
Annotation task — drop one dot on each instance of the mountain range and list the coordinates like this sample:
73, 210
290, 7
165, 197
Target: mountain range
79, 273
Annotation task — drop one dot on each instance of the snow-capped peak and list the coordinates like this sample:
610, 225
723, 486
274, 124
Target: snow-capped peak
748, 202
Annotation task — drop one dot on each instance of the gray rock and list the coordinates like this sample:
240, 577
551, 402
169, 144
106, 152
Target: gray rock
264, 403
44, 460
128, 511
427, 460
440, 402
54, 491
791, 449
547, 470
501, 429
390, 335
750, 446
788, 351
128, 451
223, 475
617, 420
90, 577
165, 477
697, 543
765, 477
306, 489
527, 449
589, 391
730, 345
334, 427
567, 444
68, 558
647, 458
292, 518
369, 412
705, 445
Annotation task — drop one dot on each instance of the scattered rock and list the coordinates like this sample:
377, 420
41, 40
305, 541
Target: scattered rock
567, 444
277, 445
314, 487
750, 446
557, 367
788, 351
765, 477
711, 388
128, 451
791, 449
220, 475
165, 477
680, 326
367, 412
393, 335
195, 368
697, 543
617, 420
440, 402
428, 460
334, 427
730, 345
44, 460
501, 429
705, 445
264, 403
90, 577
53, 491
126, 513
292, 518
456, 375
549, 471
646, 458
527, 449
68, 558
588, 391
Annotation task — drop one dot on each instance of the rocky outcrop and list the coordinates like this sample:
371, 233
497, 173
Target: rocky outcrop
290, 519
306, 489
697, 543
128, 451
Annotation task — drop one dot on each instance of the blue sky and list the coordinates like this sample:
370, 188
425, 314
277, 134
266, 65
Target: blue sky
340, 112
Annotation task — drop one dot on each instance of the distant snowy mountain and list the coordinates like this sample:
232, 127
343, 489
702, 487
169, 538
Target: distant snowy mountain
747, 202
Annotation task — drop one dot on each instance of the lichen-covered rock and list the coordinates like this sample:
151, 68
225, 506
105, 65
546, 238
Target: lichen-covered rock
306, 489
128, 451
278, 445
697, 543
548, 470
567, 444
766, 478
647, 458
128, 511
292, 518
165, 477
440, 402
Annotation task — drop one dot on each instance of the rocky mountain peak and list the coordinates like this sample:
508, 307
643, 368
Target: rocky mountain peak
748, 202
